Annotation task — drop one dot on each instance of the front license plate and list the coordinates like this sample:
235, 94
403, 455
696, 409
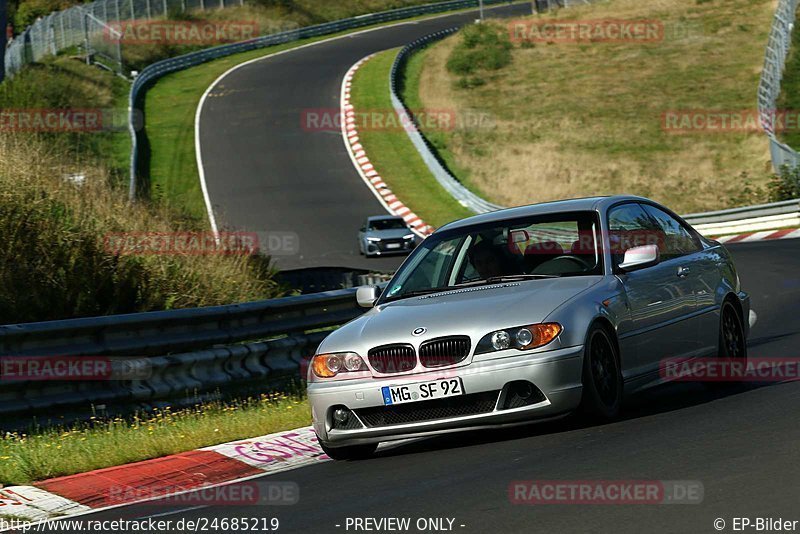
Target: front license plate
393, 245
421, 391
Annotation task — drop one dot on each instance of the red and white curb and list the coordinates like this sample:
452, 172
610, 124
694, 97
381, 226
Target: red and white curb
167, 477
766, 235
35, 504
365, 167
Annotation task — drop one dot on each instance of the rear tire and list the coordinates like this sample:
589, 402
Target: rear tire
602, 376
353, 452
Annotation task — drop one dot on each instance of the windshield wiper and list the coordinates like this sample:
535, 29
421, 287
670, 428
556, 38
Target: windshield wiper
507, 278
482, 282
419, 293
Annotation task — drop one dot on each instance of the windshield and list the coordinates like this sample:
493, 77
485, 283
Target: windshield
387, 224
558, 245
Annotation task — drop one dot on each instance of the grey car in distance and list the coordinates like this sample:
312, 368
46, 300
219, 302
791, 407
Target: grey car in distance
527, 314
385, 234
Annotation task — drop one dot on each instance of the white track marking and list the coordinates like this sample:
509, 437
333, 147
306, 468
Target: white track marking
758, 236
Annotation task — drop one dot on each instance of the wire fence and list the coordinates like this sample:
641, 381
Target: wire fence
769, 89
89, 28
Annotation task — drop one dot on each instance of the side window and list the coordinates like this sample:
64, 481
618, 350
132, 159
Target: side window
629, 226
677, 241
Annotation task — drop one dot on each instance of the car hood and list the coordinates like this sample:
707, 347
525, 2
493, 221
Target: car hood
473, 311
399, 233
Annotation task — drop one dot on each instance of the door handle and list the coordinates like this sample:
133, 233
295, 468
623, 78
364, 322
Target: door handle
683, 272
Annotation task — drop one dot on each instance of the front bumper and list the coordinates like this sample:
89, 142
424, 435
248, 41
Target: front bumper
382, 248
557, 374
744, 300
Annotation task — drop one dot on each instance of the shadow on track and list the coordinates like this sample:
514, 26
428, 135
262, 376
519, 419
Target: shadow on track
653, 401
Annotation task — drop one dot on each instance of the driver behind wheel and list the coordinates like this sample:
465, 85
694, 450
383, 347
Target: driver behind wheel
487, 260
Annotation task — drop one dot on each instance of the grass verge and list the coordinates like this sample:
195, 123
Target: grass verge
392, 152
583, 118
39, 455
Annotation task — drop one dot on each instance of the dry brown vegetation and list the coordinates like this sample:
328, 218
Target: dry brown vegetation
577, 119
55, 260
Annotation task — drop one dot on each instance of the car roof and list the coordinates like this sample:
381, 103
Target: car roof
599, 203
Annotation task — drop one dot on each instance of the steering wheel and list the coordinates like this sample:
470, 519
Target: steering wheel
584, 265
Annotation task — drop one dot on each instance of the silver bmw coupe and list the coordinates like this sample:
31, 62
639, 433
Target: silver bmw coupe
525, 314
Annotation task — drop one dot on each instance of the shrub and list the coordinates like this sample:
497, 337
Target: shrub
748, 192
785, 185
482, 47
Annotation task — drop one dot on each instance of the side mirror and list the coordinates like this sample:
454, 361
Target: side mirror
640, 258
367, 295
362, 229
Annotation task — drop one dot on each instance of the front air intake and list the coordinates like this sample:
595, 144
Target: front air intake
392, 358
444, 351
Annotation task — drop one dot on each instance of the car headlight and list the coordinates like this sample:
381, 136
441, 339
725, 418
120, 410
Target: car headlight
373, 239
521, 338
409, 236
330, 365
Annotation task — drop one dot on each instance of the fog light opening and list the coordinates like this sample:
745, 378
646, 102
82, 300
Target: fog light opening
524, 390
341, 415
521, 393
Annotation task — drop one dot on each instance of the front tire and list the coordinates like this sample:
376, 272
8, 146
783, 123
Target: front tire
353, 452
732, 342
602, 376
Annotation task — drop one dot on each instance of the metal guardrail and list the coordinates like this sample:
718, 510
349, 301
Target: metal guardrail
167, 66
188, 355
787, 207
73, 27
769, 88
450, 183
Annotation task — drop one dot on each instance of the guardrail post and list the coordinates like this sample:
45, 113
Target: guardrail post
86, 45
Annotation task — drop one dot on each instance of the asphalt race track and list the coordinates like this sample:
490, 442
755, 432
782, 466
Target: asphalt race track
265, 172
742, 444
